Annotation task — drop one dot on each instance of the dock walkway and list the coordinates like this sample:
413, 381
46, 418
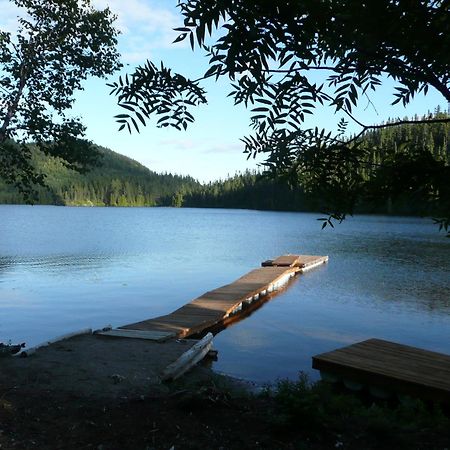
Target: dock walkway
216, 306
391, 368
103, 364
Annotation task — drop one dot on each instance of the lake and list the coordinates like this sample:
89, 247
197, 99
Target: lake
62, 269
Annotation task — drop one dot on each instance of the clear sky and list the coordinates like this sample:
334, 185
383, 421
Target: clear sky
211, 147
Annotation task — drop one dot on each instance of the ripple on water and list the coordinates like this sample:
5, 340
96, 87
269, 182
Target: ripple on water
67, 268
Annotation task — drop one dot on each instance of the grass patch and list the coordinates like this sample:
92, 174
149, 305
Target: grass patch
322, 413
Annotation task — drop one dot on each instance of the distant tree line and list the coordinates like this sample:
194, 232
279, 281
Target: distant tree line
248, 190
119, 181
272, 54
412, 170
426, 144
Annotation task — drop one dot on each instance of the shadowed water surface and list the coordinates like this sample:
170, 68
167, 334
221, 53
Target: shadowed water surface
63, 268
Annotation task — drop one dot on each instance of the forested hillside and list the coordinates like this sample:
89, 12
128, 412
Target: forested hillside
121, 181
118, 181
381, 147
248, 190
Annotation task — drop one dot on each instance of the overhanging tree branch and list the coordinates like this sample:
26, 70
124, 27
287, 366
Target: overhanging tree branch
58, 45
267, 49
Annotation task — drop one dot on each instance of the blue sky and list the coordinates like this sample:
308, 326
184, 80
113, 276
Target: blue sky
211, 147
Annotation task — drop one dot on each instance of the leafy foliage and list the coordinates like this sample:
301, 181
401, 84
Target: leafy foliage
323, 414
403, 166
143, 97
410, 162
285, 59
58, 45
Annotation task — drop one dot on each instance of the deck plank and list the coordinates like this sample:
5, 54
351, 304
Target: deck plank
398, 367
153, 335
306, 261
303, 262
213, 307
286, 261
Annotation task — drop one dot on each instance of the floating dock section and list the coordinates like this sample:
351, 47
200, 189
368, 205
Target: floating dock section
388, 368
219, 305
132, 356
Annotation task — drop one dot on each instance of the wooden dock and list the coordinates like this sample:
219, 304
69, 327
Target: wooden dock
390, 368
153, 349
219, 305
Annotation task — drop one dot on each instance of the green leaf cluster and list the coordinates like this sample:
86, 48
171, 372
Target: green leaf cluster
58, 45
285, 59
402, 170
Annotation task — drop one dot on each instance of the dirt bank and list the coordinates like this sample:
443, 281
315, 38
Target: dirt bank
106, 394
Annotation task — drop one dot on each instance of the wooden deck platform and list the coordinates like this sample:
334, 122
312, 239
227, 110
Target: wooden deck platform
125, 360
391, 367
216, 306
303, 262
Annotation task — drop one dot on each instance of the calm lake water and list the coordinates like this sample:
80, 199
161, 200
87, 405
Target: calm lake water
62, 269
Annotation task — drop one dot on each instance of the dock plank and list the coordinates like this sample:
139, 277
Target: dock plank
286, 261
213, 307
158, 336
302, 262
397, 367
306, 262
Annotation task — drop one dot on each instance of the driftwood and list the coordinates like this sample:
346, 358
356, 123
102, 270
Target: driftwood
10, 349
188, 359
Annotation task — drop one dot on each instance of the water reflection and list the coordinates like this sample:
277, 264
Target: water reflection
67, 268
57, 262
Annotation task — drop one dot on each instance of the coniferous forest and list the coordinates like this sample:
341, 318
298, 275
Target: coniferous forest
121, 181
253, 191
118, 181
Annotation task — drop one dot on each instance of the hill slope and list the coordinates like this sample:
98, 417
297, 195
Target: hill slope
119, 181
381, 147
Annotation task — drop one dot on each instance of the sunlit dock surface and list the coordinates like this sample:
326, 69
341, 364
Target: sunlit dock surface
388, 368
221, 304
136, 355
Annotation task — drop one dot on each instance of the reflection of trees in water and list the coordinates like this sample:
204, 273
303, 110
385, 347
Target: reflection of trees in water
428, 265
391, 272
59, 263
5, 264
